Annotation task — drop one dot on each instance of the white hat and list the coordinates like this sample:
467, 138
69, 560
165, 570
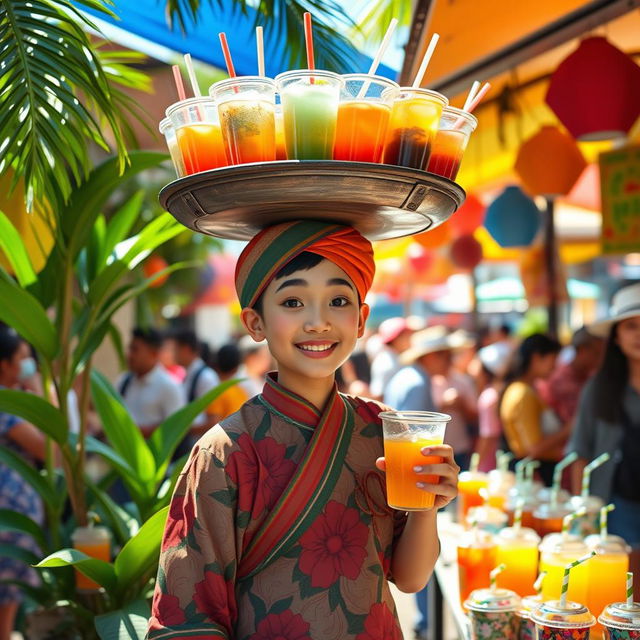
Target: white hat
495, 357
625, 304
429, 341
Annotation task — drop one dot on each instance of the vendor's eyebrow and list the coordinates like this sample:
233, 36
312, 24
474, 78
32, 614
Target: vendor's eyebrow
293, 282
340, 282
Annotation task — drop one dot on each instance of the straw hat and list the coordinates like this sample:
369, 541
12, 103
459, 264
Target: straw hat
431, 340
625, 304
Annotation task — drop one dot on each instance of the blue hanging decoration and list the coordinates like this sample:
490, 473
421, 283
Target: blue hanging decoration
513, 219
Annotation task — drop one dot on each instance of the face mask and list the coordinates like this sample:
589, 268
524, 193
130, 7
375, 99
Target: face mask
28, 368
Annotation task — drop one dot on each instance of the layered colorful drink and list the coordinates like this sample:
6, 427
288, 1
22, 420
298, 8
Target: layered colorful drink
456, 126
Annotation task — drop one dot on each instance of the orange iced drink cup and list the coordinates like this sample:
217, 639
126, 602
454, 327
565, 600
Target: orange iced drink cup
518, 550
469, 485
450, 142
556, 552
476, 560
96, 543
405, 435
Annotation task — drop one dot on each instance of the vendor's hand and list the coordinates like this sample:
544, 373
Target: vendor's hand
447, 489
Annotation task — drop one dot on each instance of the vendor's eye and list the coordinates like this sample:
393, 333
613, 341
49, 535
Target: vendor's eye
291, 303
340, 301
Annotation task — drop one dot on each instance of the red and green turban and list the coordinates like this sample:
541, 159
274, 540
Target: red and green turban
276, 246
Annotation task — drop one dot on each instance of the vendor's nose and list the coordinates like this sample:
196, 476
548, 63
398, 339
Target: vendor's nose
316, 321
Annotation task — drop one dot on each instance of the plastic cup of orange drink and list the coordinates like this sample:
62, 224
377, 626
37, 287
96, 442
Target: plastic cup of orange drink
168, 131
281, 147
198, 133
246, 108
95, 542
363, 117
518, 550
450, 143
406, 433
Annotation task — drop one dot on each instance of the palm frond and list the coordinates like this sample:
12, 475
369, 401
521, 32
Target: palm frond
372, 23
46, 63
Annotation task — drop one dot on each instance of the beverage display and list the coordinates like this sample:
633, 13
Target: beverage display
518, 550
557, 620
310, 109
621, 621
470, 484
548, 518
281, 147
95, 542
363, 117
556, 552
488, 518
169, 133
450, 143
492, 614
246, 108
413, 124
589, 522
476, 559
501, 480
198, 133
405, 435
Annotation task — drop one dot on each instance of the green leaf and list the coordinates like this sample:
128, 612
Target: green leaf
18, 553
37, 411
13, 247
31, 475
164, 440
128, 623
15, 521
121, 223
99, 571
141, 553
20, 310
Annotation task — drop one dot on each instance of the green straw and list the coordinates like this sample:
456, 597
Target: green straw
517, 516
565, 577
520, 465
503, 463
493, 576
629, 589
475, 462
529, 469
603, 520
557, 475
586, 475
537, 585
567, 520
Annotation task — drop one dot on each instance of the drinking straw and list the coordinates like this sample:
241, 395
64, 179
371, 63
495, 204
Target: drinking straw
473, 104
557, 476
376, 61
227, 54
177, 76
517, 516
503, 463
484, 494
603, 520
308, 40
586, 475
493, 575
565, 577
425, 61
260, 51
629, 589
529, 469
567, 520
537, 585
474, 463
472, 94
192, 76
520, 465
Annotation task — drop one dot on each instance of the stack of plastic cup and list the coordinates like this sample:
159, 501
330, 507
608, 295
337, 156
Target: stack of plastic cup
557, 621
492, 614
621, 621
168, 131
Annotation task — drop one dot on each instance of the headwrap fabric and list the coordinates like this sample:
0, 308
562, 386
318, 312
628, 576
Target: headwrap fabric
276, 246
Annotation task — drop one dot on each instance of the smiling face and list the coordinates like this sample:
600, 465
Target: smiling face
311, 320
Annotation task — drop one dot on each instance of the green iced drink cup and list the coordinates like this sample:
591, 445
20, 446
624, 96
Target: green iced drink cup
310, 110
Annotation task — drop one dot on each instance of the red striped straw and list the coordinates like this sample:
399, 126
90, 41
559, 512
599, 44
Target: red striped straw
177, 77
227, 54
308, 39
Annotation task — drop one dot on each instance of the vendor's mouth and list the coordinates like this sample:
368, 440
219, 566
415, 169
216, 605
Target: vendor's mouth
317, 349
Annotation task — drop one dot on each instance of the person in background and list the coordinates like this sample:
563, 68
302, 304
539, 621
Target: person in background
28, 442
562, 390
526, 420
168, 359
256, 363
608, 418
148, 391
395, 336
494, 361
228, 360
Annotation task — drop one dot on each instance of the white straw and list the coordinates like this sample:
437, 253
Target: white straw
425, 61
586, 474
260, 48
478, 97
376, 61
192, 75
472, 94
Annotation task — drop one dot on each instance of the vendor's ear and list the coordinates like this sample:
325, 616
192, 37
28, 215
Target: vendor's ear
362, 318
253, 323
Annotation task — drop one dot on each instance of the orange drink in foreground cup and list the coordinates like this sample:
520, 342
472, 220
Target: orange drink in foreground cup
96, 543
406, 433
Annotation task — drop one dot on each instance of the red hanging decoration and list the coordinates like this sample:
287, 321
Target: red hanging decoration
466, 252
419, 258
468, 217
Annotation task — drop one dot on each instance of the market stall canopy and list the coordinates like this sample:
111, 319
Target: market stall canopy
147, 19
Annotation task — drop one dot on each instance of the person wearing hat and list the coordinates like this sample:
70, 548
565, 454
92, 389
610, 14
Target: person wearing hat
279, 525
395, 336
608, 417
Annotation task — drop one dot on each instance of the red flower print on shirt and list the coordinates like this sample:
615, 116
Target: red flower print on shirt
380, 623
215, 597
282, 626
334, 545
166, 609
260, 471
182, 514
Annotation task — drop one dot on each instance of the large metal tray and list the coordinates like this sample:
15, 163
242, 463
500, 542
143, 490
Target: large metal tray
381, 201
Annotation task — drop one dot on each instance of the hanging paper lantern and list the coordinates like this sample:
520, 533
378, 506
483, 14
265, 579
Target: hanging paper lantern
435, 238
512, 218
466, 252
595, 92
468, 217
419, 258
549, 163
152, 265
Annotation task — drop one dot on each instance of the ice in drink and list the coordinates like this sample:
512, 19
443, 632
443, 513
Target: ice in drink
518, 550
450, 143
413, 124
310, 109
